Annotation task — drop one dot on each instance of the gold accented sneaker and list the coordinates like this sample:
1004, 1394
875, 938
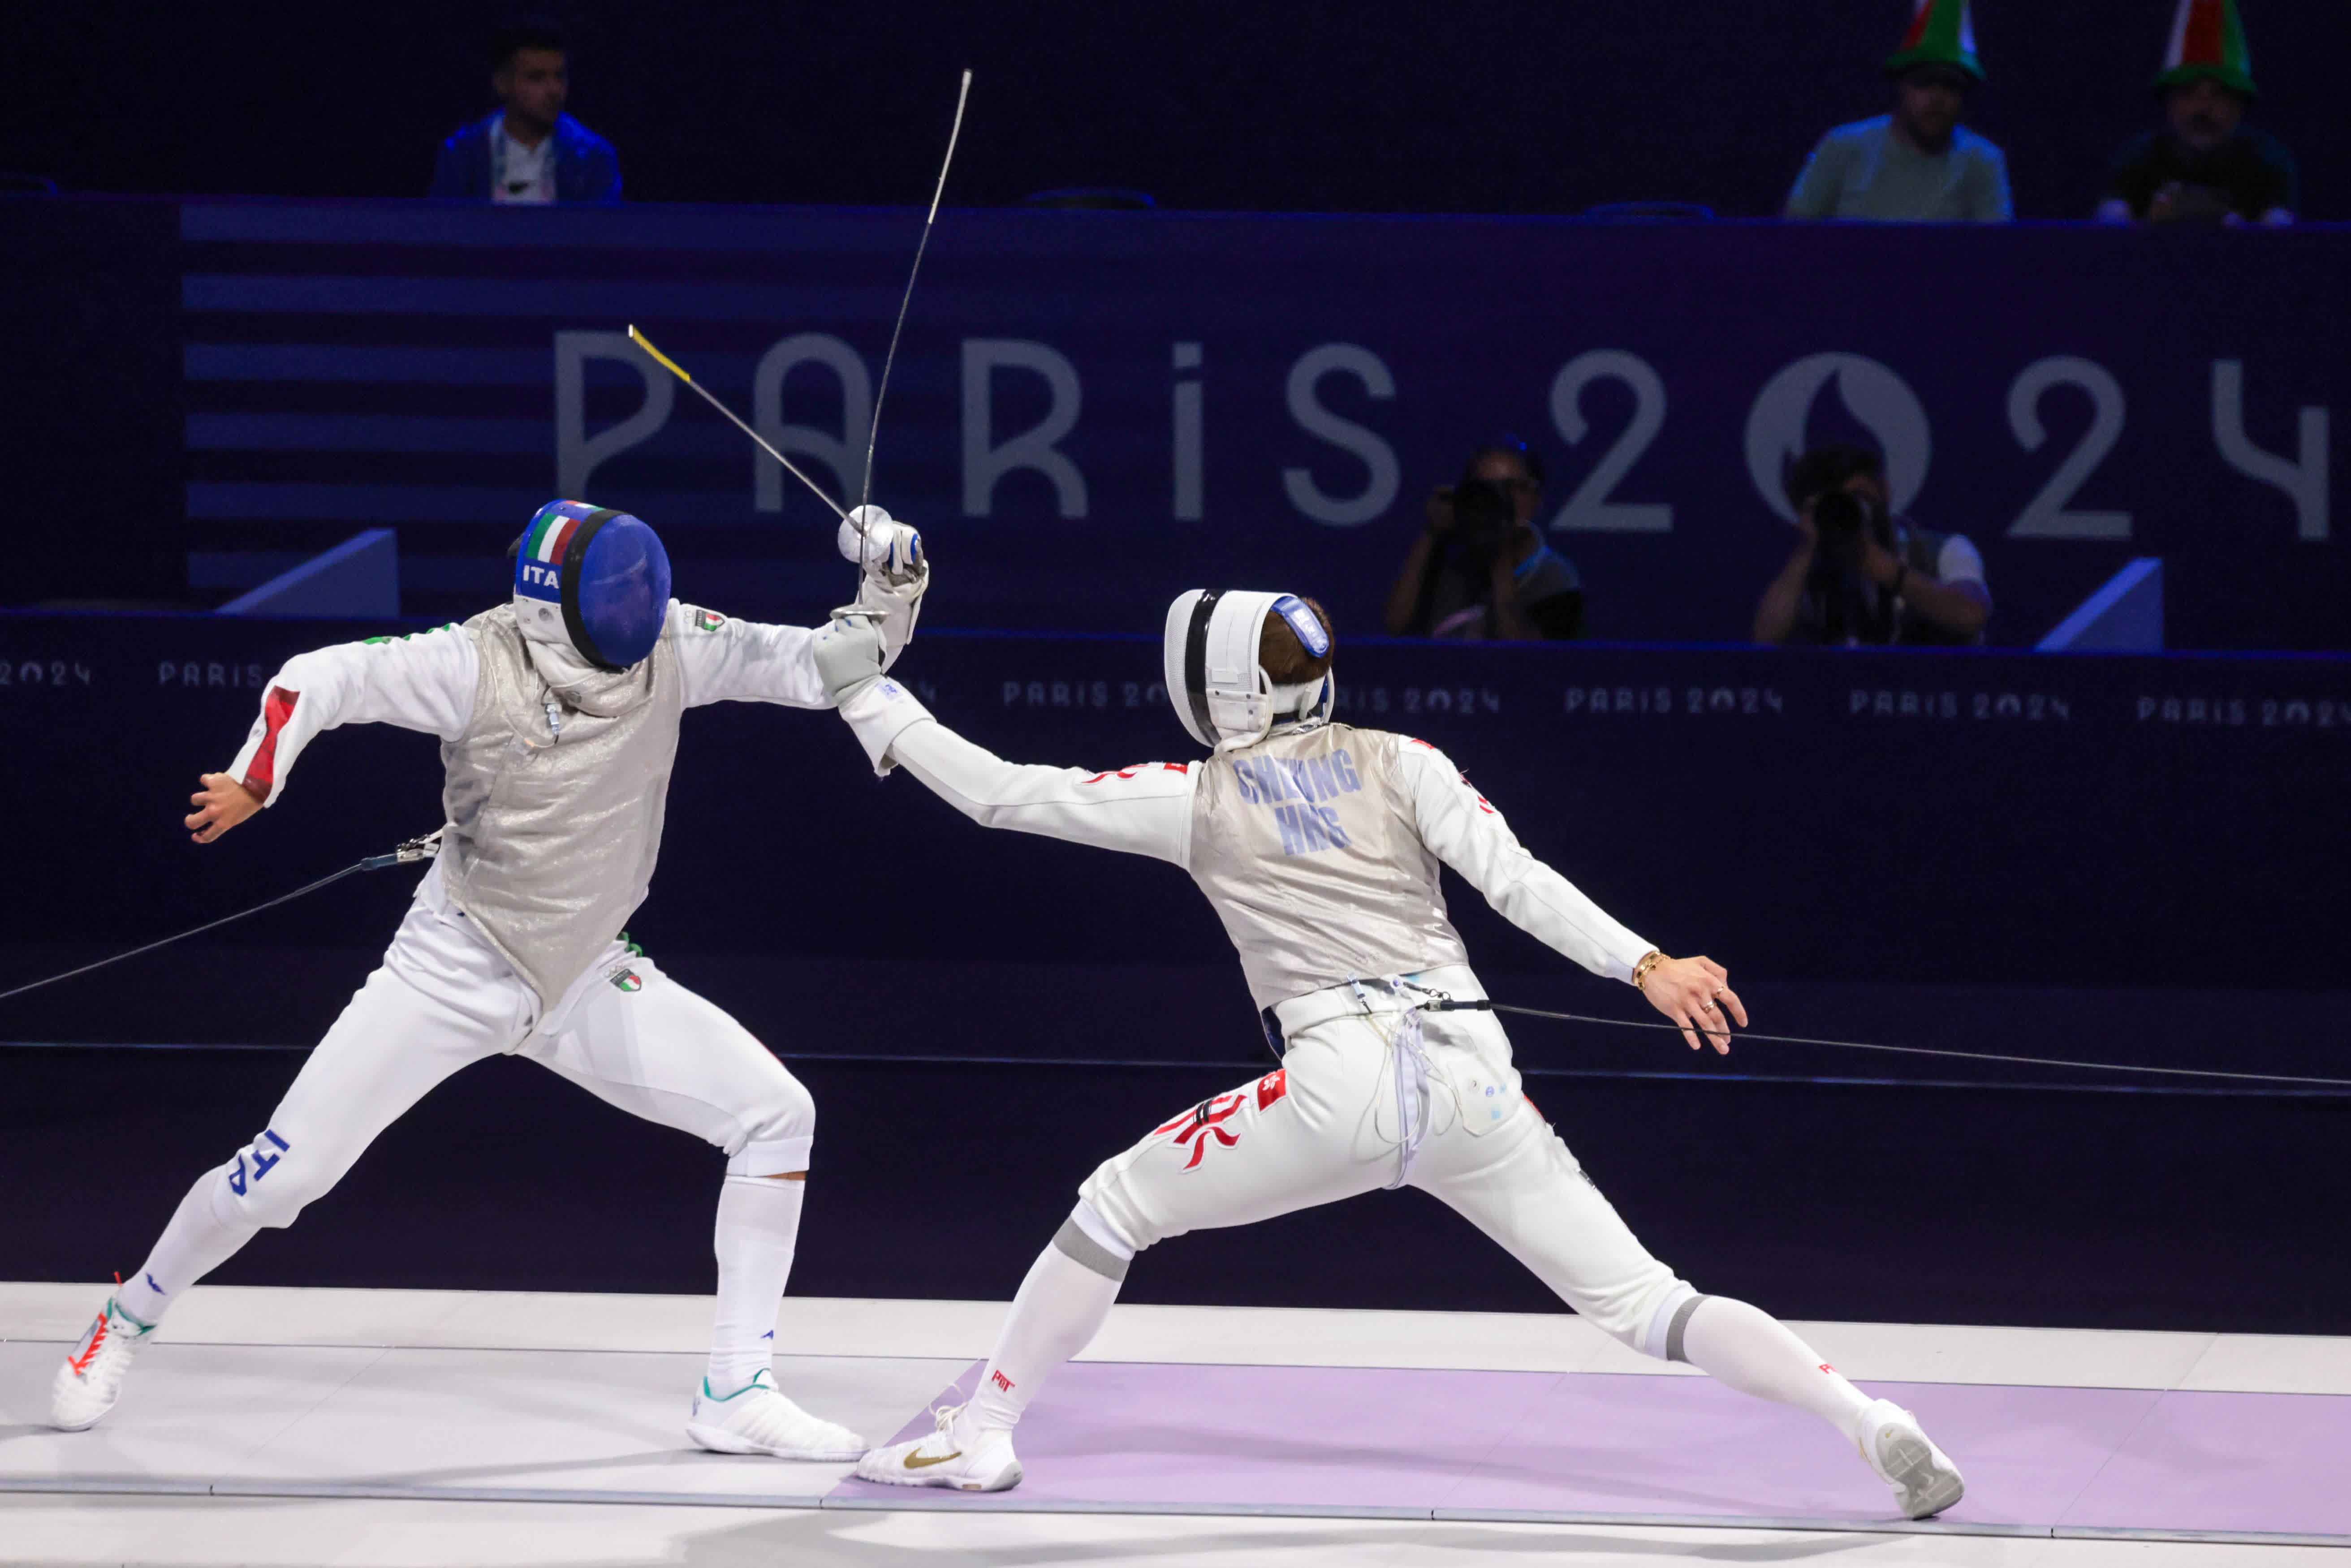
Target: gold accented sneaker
958, 1455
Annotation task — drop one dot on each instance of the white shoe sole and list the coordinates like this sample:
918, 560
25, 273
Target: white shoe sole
720, 1440
1921, 1487
1004, 1479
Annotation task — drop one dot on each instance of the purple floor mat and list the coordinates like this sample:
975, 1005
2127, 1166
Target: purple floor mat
1347, 1440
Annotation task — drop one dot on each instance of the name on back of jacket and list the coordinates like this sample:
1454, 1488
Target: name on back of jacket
1297, 788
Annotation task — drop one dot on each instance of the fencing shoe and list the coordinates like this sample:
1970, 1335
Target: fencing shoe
960, 1453
1924, 1479
756, 1419
91, 1381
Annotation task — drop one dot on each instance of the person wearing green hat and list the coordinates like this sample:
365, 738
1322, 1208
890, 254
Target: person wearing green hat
1917, 165
2206, 165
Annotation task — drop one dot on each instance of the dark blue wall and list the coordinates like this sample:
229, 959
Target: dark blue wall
1965, 819
2069, 397
2100, 859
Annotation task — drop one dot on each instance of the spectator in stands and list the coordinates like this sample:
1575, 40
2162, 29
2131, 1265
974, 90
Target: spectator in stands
2206, 165
1480, 568
1861, 576
529, 149
1919, 165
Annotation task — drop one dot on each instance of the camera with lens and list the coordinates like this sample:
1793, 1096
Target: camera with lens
1484, 517
1843, 522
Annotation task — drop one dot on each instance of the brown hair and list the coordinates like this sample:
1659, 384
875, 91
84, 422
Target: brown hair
1284, 657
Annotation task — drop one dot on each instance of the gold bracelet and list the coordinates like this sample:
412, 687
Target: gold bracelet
1647, 967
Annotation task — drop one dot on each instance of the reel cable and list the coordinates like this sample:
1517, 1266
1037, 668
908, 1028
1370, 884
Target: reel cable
1489, 1005
426, 846
422, 848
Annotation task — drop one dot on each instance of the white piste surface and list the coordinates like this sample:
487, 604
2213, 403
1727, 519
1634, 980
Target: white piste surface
424, 1390
1268, 1336
170, 1532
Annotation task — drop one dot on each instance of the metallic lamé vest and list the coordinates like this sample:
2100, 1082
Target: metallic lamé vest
1307, 845
551, 841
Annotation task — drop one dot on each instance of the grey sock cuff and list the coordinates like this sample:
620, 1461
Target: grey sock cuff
1681, 1318
1085, 1250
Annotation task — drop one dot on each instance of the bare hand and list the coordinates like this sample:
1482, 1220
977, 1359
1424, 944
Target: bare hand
1695, 994
1438, 510
1879, 564
224, 802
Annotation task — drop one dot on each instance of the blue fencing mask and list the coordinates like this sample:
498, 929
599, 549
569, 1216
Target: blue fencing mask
593, 579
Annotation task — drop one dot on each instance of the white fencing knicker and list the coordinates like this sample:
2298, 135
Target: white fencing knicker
1373, 1092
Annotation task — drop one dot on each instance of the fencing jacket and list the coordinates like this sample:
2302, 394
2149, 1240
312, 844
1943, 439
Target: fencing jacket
1319, 846
553, 824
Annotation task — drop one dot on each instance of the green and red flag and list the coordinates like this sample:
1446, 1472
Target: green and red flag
1942, 33
2208, 40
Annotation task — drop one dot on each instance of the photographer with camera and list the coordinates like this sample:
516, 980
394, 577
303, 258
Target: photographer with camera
1480, 568
1862, 577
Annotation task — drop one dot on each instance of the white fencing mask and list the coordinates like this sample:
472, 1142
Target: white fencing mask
1220, 691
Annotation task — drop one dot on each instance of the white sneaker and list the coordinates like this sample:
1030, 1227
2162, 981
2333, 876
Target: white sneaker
91, 1381
1923, 1478
958, 1455
756, 1419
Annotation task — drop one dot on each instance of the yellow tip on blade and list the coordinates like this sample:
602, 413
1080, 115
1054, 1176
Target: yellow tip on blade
666, 362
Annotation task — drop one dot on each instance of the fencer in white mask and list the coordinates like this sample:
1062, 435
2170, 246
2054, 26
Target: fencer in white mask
557, 716
1319, 845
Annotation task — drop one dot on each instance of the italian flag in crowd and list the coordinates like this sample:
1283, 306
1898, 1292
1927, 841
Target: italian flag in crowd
2208, 40
1942, 33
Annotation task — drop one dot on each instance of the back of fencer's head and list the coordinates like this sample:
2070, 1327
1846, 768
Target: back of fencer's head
1284, 659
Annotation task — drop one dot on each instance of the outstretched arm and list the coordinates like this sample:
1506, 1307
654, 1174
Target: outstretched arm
725, 660
1471, 837
721, 659
422, 682
1146, 809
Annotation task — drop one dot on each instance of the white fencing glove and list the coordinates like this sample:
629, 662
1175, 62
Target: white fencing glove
885, 550
849, 652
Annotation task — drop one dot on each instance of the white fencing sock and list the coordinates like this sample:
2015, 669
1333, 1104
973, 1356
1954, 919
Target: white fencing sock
195, 1242
1749, 1350
758, 1227
1061, 1307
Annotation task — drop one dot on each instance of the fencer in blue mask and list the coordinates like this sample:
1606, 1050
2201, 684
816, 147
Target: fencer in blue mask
558, 716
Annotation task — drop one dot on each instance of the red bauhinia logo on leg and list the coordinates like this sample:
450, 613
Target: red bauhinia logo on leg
1204, 1121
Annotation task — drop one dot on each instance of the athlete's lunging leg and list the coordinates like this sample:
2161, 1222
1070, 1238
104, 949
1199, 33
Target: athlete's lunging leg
1319, 846
558, 714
